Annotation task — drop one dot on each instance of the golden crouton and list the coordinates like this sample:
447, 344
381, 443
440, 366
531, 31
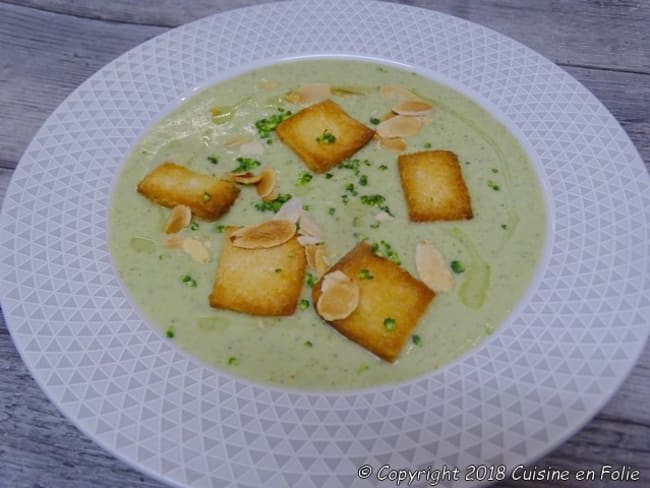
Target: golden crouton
391, 302
262, 281
434, 187
170, 184
323, 135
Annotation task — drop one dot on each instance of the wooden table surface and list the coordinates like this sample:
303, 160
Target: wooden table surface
48, 47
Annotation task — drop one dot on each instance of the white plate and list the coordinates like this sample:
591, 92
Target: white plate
522, 392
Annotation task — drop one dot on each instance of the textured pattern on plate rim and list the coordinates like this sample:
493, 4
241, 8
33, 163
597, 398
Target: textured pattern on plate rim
515, 396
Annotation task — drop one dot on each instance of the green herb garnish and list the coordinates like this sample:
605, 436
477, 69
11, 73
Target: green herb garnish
350, 188
331, 210
195, 226
376, 201
310, 280
385, 250
417, 340
273, 205
364, 274
170, 332
493, 184
220, 228
304, 178
214, 159
233, 361
457, 267
329, 176
189, 281
309, 344
383, 167
267, 125
389, 323
206, 196
304, 304
326, 137
246, 164
427, 145
363, 180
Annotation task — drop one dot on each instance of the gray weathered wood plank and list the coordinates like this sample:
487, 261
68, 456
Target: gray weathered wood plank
567, 32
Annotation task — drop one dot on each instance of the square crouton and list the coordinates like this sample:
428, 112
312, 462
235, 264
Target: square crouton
434, 187
263, 281
391, 302
323, 135
170, 184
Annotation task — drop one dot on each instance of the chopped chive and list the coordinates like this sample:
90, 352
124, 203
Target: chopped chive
309, 344
364, 274
427, 145
331, 210
304, 304
494, 170
374, 120
195, 226
329, 176
376, 201
220, 228
246, 164
417, 340
389, 323
457, 267
170, 332
214, 159
504, 226
304, 178
267, 125
375, 225
492, 184
345, 199
326, 137
385, 250
363, 180
273, 205
350, 188
189, 281
233, 361
310, 280
383, 167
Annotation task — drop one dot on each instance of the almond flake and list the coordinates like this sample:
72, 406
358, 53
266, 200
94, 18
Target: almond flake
339, 296
309, 240
266, 186
196, 249
413, 108
395, 144
312, 93
310, 256
308, 227
399, 126
387, 116
291, 210
245, 178
252, 148
432, 268
321, 263
174, 242
342, 91
267, 234
397, 93
236, 141
179, 218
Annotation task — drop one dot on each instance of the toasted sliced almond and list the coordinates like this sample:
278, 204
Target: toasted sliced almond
339, 296
174, 242
179, 218
432, 268
245, 178
308, 227
399, 126
267, 183
236, 141
271, 196
395, 144
291, 210
268, 84
321, 261
310, 256
252, 148
397, 93
343, 91
312, 93
309, 240
196, 249
387, 116
413, 108
267, 234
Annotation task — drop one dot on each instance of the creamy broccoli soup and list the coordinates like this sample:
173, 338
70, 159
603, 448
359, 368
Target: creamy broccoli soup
492, 256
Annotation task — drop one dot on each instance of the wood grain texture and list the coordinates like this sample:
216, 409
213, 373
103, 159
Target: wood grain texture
49, 47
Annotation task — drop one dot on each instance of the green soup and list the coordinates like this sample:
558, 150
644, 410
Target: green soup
499, 247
